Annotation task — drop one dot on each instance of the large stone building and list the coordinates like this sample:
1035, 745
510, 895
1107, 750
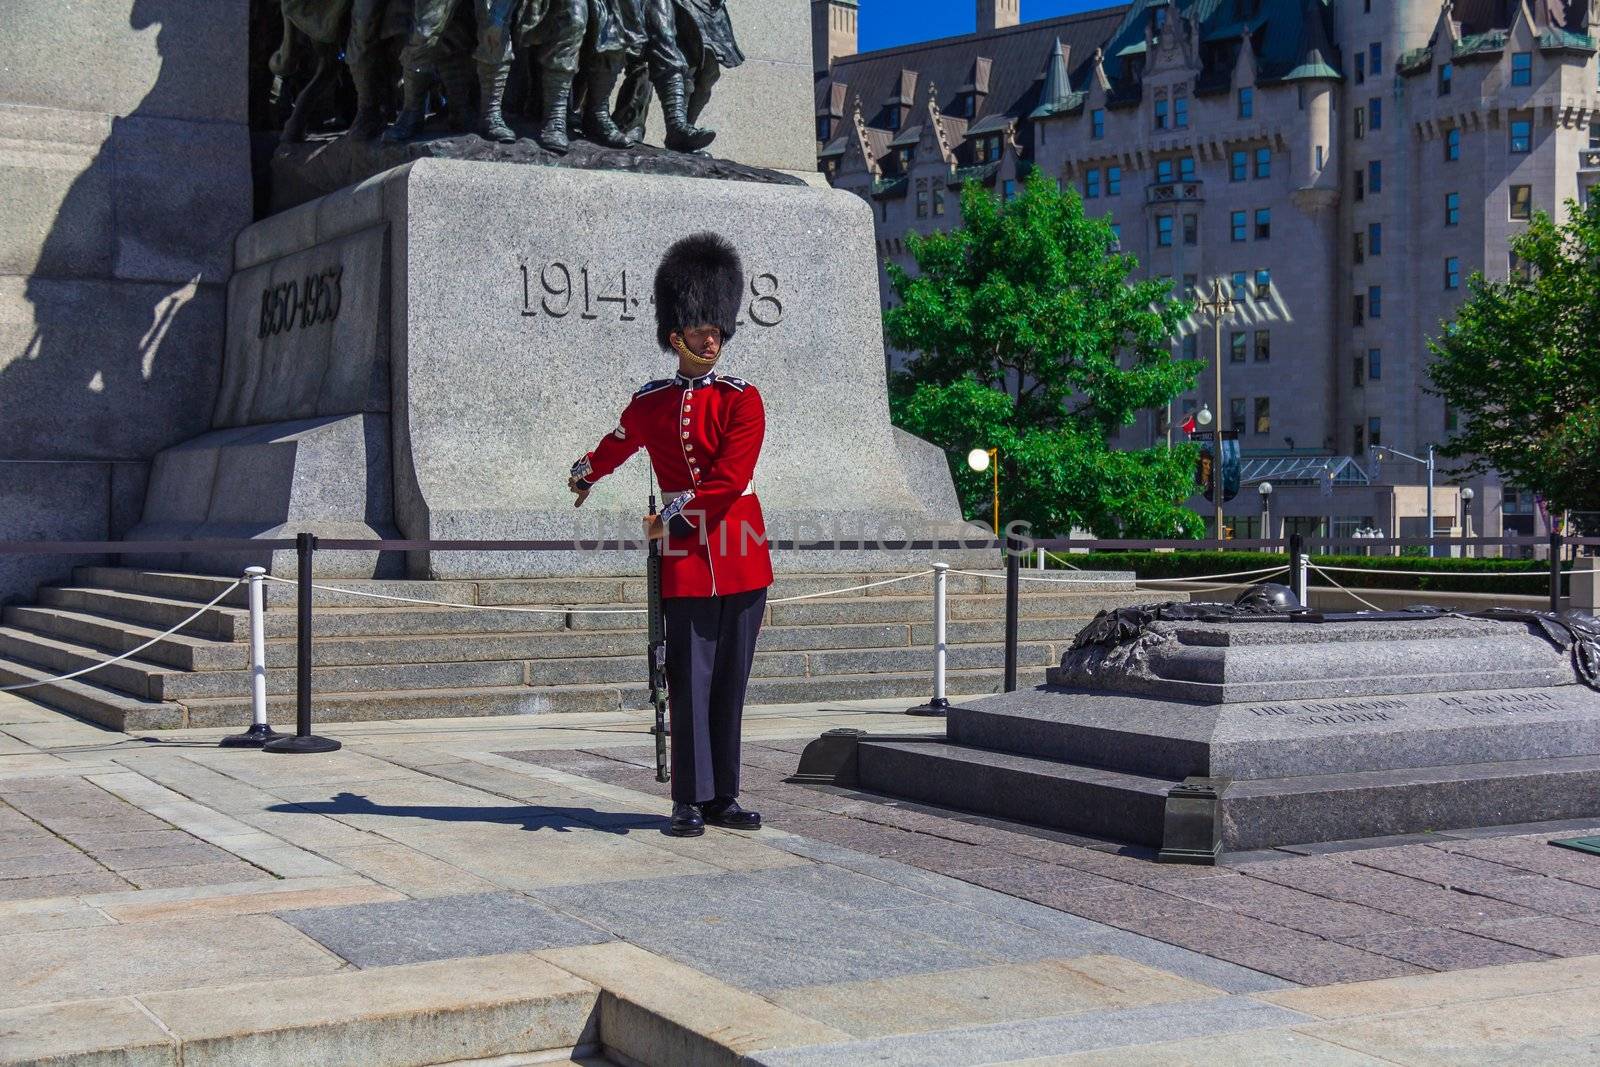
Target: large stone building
1339, 167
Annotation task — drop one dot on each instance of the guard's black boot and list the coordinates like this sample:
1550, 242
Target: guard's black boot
681, 136
492, 78
598, 125
726, 812
552, 136
413, 112
686, 821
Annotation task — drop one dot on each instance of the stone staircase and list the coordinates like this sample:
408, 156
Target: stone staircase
384, 660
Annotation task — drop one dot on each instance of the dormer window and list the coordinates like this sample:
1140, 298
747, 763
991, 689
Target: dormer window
1161, 111
893, 118
1180, 111
904, 156
989, 149
824, 127
1247, 103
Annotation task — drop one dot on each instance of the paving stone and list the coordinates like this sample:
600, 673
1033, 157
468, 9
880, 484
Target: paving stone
1442, 950
96, 843
850, 888
996, 939
414, 931
40, 865
61, 885
1033, 880
1555, 935
1283, 906
187, 854
410, 872
18, 844
1429, 864
196, 874
1535, 855
30, 916
1541, 893
1405, 995
108, 1031
1005, 1042
1383, 891
144, 909
1258, 1048
948, 999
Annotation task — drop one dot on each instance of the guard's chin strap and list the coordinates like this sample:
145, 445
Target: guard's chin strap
691, 355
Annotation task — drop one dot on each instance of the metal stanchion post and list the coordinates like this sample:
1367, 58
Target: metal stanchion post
939, 704
1013, 608
303, 740
1555, 570
1039, 561
1297, 567
259, 733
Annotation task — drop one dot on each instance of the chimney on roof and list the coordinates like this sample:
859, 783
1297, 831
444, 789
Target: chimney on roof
833, 33
998, 14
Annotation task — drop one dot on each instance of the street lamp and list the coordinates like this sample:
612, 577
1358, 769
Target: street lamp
1378, 453
1219, 306
980, 460
1466, 516
1265, 489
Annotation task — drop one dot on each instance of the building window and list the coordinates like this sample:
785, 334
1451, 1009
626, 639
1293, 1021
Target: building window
1164, 231
1452, 144
1300, 96
824, 127
1239, 285
1522, 68
1517, 267
1447, 74
991, 149
1452, 272
905, 159
1191, 348
1360, 119
1263, 346
1358, 444
1263, 284
1163, 171
1236, 225
1374, 364
1263, 163
922, 198
1113, 181
1236, 414
1236, 346
1263, 416
1375, 58
893, 118
938, 197
1452, 209
1594, 136
1180, 112
1375, 301
1359, 249
1375, 176
1191, 230
1191, 282
1161, 113
1238, 165
1374, 238
1097, 123
1375, 432
1361, 184
1116, 235
1186, 169
1247, 103
1263, 223
1521, 136
1091, 183
1361, 68
1375, 112
1359, 367
1319, 157
1358, 312
1522, 201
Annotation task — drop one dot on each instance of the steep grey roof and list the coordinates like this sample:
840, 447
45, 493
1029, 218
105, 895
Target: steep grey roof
1019, 56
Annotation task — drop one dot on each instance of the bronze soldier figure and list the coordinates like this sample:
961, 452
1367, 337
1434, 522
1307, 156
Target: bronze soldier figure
688, 43
319, 21
425, 53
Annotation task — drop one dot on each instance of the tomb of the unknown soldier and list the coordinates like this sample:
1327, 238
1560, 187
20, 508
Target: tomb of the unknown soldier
683, 533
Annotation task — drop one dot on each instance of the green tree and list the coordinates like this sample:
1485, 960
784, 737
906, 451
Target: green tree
1033, 338
1520, 364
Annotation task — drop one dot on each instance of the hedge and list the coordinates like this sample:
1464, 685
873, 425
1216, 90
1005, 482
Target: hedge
1158, 565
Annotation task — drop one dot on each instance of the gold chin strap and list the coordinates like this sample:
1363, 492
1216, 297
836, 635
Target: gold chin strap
688, 353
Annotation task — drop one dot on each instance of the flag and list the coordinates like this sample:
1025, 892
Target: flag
1189, 425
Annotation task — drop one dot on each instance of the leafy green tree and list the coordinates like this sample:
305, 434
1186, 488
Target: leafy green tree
1520, 364
1033, 338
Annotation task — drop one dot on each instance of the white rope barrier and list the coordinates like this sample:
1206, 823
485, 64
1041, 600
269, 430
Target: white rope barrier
1057, 557
1438, 574
1354, 596
577, 611
1000, 577
1137, 581
237, 582
1215, 587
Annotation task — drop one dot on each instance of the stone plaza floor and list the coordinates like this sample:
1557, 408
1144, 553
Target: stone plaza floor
164, 896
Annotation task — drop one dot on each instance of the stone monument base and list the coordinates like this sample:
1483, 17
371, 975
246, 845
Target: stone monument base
1378, 728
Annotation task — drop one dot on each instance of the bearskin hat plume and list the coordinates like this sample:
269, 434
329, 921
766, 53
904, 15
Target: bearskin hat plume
700, 283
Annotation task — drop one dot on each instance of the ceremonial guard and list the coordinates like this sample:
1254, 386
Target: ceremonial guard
703, 432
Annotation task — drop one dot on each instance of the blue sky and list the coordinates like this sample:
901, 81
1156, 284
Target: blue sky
886, 23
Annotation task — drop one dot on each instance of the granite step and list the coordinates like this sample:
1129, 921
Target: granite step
93, 703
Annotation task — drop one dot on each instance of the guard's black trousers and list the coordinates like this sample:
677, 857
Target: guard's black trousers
711, 641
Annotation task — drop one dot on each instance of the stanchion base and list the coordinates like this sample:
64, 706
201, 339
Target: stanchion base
302, 743
936, 706
255, 737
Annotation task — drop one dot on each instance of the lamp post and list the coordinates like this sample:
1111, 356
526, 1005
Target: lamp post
1466, 518
1378, 454
1265, 489
1220, 305
980, 460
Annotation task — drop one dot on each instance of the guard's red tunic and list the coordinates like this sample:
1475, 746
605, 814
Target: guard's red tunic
703, 435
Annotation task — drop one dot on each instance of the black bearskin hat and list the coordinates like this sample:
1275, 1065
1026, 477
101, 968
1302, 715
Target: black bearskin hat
700, 283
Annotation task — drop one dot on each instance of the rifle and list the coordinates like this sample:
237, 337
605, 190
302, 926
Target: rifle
656, 653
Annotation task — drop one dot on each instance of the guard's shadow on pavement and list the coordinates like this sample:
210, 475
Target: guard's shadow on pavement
528, 816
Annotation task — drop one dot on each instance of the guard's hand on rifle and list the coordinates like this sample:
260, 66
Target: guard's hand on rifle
654, 528
583, 494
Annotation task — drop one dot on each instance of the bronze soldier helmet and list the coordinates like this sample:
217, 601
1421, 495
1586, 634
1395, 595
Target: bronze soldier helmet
700, 283
1268, 597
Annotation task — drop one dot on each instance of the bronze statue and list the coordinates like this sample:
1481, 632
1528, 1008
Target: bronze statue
426, 55
687, 43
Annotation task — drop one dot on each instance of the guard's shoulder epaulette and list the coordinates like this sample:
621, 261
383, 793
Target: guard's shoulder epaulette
738, 383
650, 387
